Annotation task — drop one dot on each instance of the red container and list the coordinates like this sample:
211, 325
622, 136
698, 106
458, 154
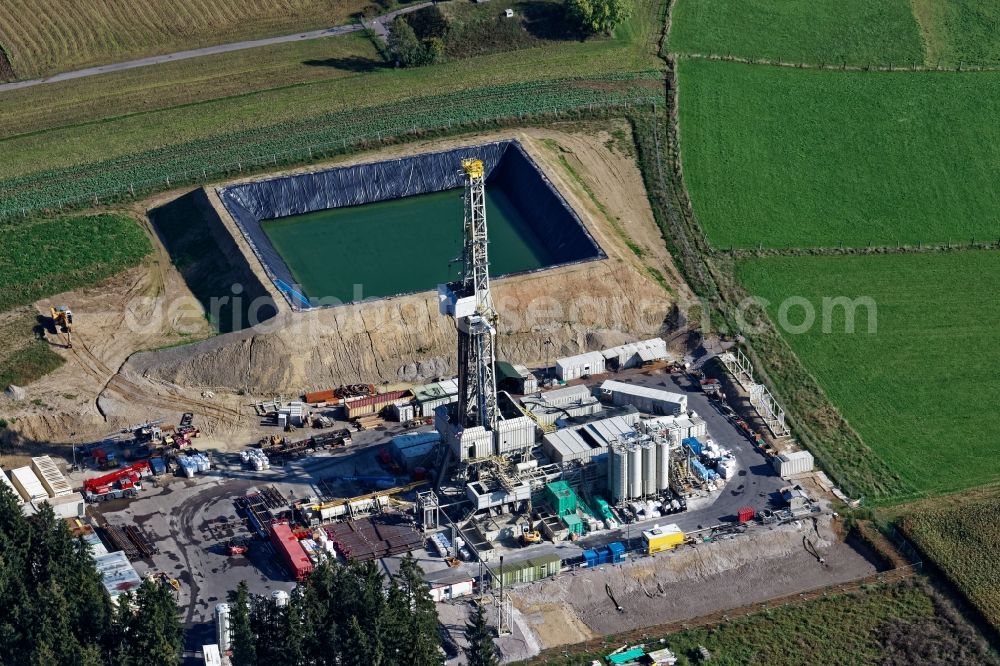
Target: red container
290, 551
419, 474
321, 396
745, 514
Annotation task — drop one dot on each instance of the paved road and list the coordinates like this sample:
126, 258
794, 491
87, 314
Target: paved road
378, 25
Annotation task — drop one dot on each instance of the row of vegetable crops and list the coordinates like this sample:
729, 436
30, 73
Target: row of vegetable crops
961, 539
304, 140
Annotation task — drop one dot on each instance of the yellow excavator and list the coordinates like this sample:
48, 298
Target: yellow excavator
529, 536
62, 319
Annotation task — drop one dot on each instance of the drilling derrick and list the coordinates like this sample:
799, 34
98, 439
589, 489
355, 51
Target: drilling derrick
469, 426
477, 388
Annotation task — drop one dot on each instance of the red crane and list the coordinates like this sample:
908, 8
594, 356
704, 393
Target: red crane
126, 477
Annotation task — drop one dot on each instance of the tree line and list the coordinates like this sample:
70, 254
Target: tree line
350, 615
54, 608
340, 615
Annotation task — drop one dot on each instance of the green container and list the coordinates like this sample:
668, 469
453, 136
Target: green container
560, 496
573, 523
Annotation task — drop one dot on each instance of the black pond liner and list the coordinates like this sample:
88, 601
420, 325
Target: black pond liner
506, 163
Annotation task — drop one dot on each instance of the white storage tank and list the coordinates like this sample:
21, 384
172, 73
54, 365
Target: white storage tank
280, 598
618, 473
223, 630
634, 471
662, 465
648, 467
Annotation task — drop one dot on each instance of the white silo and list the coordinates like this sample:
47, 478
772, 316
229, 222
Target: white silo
223, 630
634, 470
662, 464
280, 598
648, 452
618, 472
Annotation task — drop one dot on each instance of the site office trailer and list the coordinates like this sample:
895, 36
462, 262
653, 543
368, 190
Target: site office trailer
661, 538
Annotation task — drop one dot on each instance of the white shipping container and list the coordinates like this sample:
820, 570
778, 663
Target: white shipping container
445, 592
28, 484
574, 367
5, 481
52, 479
797, 462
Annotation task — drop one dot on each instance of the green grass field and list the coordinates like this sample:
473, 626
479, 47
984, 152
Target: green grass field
47, 36
896, 623
632, 49
793, 158
23, 357
962, 540
45, 257
918, 389
858, 32
960, 31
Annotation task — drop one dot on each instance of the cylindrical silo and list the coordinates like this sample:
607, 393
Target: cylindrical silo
223, 631
648, 467
663, 464
617, 473
280, 598
634, 471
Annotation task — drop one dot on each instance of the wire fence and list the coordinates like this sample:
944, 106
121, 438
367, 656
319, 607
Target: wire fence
841, 64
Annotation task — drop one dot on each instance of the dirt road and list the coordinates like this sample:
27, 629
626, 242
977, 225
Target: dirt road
378, 25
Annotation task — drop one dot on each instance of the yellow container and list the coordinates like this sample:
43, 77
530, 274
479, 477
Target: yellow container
662, 538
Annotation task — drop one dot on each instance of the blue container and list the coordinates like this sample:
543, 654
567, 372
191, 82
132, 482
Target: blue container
617, 550
693, 444
591, 557
699, 470
604, 556
159, 467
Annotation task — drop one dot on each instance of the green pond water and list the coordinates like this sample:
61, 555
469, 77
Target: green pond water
398, 246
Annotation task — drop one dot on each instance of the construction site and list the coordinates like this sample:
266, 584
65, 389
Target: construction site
597, 490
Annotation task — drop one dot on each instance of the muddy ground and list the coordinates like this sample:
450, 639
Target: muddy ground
136, 355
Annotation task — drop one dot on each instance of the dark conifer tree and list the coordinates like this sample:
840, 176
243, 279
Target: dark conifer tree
482, 651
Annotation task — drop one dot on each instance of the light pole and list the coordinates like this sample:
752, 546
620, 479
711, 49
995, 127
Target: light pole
548, 357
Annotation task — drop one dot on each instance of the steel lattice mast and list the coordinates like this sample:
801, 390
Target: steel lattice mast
477, 388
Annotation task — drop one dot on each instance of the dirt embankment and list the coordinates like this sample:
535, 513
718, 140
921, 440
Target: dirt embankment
575, 308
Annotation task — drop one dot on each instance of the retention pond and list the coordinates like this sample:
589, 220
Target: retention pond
395, 227
398, 246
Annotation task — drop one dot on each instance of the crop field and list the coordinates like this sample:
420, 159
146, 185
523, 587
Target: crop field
960, 32
298, 140
631, 50
47, 36
858, 32
44, 257
916, 387
895, 623
784, 157
962, 540
184, 82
